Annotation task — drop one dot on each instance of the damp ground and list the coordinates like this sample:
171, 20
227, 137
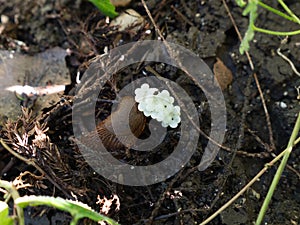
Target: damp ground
190, 196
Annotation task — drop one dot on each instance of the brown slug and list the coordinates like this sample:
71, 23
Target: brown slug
119, 120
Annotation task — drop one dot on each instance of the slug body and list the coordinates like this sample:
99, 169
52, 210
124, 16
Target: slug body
127, 132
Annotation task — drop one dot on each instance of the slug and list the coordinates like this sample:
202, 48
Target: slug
137, 121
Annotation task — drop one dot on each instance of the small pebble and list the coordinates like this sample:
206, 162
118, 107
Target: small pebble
283, 105
4, 19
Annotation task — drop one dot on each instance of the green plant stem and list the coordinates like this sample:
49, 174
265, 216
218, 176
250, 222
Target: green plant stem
76, 209
279, 33
287, 9
9, 186
74, 221
275, 11
279, 171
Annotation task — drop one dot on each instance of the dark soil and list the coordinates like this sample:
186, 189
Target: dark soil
190, 196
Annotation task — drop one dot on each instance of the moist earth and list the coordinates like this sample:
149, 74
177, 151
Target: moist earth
190, 196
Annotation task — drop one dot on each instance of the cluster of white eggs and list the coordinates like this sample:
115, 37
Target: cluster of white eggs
158, 105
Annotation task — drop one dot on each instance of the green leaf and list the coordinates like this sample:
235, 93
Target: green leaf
240, 3
105, 7
251, 9
4, 218
246, 40
77, 209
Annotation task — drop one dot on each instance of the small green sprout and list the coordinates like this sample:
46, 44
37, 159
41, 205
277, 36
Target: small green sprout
106, 7
251, 8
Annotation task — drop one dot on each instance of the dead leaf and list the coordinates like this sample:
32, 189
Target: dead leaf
128, 19
223, 75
